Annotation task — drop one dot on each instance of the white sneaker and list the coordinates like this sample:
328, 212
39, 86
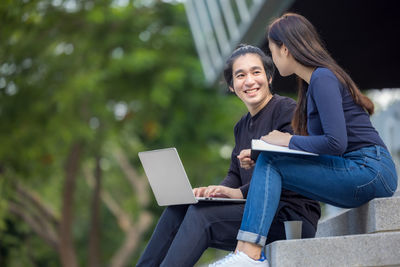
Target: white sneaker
238, 259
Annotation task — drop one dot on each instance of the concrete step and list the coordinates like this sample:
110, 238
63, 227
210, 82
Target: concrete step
378, 215
380, 249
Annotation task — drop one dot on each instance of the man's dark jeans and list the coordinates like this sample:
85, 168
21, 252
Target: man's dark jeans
184, 232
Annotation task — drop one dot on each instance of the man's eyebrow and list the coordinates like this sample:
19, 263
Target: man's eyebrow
252, 68
237, 71
256, 68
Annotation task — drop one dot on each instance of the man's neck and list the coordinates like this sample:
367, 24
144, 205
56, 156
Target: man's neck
254, 111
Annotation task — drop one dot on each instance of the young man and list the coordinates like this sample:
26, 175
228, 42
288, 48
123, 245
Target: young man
184, 232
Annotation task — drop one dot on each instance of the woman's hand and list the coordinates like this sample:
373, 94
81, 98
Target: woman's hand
218, 191
245, 161
277, 138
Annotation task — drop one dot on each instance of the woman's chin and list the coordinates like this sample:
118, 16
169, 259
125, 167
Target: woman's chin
284, 74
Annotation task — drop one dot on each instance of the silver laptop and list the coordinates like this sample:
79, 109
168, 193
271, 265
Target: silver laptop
169, 181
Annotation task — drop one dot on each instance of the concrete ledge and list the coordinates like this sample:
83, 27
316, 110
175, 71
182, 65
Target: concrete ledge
378, 215
381, 249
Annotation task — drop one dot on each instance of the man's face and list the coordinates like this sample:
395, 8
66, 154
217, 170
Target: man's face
250, 82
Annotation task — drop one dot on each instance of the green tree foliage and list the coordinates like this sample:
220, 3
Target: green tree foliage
84, 86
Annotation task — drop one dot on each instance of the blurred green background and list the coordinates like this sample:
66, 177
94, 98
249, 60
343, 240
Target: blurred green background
84, 86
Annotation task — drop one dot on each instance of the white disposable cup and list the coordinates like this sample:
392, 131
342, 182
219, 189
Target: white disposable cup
293, 229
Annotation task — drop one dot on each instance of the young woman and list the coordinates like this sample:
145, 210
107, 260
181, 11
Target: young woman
331, 119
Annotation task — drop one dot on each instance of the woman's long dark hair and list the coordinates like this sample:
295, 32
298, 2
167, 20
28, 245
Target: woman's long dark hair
306, 47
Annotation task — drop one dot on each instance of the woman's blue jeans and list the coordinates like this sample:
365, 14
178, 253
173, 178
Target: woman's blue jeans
346, 181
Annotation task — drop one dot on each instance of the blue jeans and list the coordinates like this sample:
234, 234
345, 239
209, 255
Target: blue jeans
348, 181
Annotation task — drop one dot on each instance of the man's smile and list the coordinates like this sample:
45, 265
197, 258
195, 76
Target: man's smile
251, 91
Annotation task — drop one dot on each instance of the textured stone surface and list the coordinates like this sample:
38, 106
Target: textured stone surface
380, 249
379, 215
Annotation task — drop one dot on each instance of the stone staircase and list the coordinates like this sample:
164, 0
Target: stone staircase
365, 236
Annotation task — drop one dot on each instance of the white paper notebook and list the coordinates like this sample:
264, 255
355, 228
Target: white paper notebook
260, 145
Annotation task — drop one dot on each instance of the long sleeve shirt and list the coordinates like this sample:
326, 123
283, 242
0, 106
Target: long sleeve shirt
276, 115
335, 123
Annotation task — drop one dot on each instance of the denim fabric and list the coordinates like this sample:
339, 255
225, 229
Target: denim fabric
348, 181
184, 232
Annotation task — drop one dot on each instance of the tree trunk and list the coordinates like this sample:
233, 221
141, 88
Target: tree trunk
94, 238
66, 248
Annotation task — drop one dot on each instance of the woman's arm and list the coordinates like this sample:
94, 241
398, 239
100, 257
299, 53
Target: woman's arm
328, 117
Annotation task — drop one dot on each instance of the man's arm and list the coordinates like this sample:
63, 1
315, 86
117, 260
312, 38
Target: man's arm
233, 179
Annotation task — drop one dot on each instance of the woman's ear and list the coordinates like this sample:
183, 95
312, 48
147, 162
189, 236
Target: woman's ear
231, 89
284, 50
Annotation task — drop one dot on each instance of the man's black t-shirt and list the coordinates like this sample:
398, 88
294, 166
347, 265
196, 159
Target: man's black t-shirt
276, 115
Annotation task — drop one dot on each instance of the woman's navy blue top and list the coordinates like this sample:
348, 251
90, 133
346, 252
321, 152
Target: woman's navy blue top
335, 123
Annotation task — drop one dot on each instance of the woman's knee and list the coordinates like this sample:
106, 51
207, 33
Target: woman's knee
264, 158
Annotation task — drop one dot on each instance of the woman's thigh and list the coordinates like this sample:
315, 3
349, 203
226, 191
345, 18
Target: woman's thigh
347, 181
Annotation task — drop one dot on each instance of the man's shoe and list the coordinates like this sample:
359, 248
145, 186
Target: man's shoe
239, 259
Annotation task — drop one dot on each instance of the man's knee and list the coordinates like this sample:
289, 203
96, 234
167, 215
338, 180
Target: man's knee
197, 214
173, 215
